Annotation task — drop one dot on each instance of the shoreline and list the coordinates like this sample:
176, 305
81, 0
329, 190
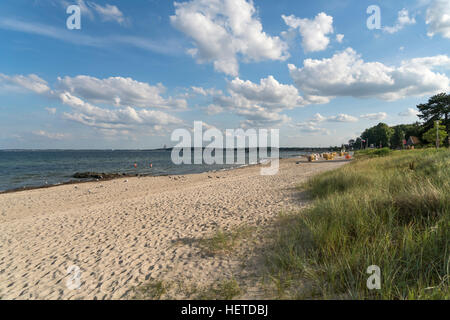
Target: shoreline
70, 182
125, 175
118, 176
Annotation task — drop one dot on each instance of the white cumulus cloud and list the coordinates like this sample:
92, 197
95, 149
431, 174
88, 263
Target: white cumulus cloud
269, 93
314, 32
205, 92
342, 117
311, 128
214, 109
30, 82
126, 104
260, 103
438, 18
122, 118
347, 74
223, 29
375, 116
410, 112
119, 91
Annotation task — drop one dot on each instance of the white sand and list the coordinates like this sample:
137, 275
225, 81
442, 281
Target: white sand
122, 233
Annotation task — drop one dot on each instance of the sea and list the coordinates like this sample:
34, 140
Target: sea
35, 168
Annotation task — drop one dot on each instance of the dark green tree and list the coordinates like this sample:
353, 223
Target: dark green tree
398, 137
380, 135
412, 130
437, 108
404, 131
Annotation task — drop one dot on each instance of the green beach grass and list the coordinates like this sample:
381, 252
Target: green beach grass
386, 208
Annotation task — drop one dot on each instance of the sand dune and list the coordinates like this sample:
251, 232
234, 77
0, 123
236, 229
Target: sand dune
122, 232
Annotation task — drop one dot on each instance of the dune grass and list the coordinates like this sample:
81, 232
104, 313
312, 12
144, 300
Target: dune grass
390, 209
223, 242
221, 290
152, 290
370, 153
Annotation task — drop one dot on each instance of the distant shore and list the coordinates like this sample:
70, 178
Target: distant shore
124, 232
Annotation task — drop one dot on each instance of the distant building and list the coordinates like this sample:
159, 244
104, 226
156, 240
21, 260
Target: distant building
412, 141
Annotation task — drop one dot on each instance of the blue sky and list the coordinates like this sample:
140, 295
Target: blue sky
137, 70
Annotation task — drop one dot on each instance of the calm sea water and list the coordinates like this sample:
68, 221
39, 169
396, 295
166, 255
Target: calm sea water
36, 168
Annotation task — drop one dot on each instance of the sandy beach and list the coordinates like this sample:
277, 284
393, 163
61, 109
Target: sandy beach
123, 232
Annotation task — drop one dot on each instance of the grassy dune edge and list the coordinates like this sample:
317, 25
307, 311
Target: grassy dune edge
389, 209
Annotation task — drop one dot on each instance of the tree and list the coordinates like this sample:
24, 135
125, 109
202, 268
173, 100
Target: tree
403, 132
398, 137
437, 108
380, 135
431, 135
412, 130
356, 143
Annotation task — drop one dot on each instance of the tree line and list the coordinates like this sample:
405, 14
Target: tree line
435, 120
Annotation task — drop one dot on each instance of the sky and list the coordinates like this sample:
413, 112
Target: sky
319, 71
